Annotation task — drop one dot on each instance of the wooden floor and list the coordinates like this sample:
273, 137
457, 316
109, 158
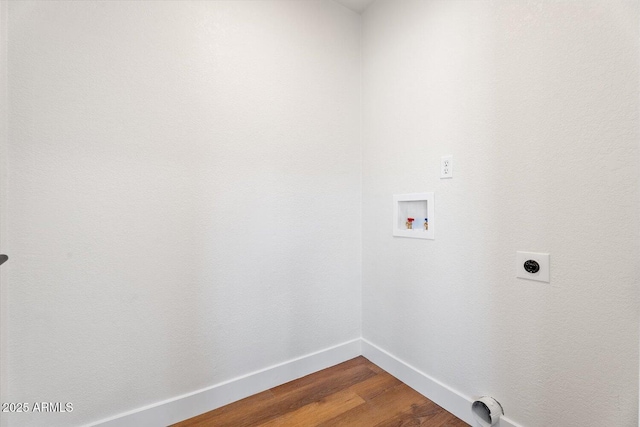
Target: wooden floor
354, 393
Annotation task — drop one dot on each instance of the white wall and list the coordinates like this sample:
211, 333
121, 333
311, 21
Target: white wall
538, 104
3, 189
184, 196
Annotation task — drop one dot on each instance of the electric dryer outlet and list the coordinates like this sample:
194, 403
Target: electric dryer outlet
533, 266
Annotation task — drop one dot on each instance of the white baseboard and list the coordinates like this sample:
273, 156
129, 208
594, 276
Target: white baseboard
189, 405
451, 400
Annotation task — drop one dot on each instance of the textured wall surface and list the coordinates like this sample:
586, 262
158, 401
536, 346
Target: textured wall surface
184, 196
538, 104
185, 190
3, 185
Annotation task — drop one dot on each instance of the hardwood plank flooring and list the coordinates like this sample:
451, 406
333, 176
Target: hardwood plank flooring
354, 393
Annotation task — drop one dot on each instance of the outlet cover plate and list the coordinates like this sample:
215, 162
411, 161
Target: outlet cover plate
446, 167
542, 259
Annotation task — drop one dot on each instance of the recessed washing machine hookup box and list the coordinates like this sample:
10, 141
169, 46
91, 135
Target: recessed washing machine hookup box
414, 215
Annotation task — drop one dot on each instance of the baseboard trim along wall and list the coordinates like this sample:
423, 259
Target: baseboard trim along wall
201, 401
451, 400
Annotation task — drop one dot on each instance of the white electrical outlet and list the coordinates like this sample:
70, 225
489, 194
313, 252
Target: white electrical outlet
446, 167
